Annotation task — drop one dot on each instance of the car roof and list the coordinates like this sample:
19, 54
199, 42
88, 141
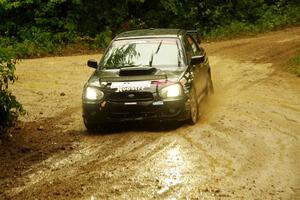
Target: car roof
150, 33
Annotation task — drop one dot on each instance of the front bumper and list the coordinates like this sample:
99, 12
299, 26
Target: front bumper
106, 111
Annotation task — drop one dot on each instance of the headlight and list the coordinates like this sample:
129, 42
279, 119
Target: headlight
171, 91
92, 93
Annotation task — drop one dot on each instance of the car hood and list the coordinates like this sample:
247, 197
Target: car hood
168, 74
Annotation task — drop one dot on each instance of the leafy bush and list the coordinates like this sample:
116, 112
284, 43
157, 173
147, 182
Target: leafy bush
268, 17
231, 30
37, 42
103, 39
10, 108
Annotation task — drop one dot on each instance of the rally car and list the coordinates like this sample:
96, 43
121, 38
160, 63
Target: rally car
149, 74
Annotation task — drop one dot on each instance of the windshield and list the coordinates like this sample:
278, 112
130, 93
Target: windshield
160, 52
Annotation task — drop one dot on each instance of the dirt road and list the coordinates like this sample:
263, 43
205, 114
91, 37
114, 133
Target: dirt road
246, 145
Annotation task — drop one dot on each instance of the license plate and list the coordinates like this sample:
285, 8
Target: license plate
129, 86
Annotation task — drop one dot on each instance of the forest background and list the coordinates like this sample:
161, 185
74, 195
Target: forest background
39, 27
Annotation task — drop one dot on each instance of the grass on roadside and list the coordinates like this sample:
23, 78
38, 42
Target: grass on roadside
295, 64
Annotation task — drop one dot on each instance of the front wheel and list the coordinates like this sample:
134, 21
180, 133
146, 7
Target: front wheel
194, 112
91, 127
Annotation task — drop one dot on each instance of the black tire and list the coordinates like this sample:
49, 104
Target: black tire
194, 108
91, 127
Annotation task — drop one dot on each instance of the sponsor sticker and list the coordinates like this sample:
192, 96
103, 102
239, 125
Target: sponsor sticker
158, 103
129, 86
130, 103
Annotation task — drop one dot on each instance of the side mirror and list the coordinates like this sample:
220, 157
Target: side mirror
195, 60
92, 63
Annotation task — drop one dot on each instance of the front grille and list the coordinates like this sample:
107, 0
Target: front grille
130, 96
131, 115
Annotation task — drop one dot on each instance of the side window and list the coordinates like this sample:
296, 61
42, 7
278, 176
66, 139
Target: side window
188, 48
194, 46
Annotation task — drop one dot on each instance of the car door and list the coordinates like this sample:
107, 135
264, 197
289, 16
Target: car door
200, 71
194, 69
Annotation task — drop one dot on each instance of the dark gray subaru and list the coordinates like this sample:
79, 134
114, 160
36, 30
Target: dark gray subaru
150, 74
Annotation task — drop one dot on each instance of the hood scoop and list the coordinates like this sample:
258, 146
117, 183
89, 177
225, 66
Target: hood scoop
137, 71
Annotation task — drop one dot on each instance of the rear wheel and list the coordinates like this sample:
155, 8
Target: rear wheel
194, 112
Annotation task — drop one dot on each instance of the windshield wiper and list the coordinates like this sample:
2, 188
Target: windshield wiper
179, 54
158, 48
152, 55
129, 65
120, 66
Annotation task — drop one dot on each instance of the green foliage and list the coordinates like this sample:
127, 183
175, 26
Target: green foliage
37, 42
10, 108
37, 28
231, 30
267, 17
103, 39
